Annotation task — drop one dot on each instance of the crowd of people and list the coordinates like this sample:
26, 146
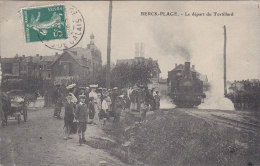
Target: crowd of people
95, 105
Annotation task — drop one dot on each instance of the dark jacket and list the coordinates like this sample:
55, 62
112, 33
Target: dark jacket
81, 113
69, 114
68, 108
91, 109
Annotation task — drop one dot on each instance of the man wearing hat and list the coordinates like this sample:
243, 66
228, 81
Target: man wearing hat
81, 115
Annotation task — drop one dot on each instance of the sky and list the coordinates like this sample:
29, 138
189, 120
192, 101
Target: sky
168, 39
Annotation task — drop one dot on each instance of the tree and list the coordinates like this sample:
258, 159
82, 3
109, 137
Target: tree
121, 75
125, 74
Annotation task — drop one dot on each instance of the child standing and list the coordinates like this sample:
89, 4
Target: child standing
81, 115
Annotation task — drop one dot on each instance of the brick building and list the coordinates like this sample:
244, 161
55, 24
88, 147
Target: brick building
78, 63
31, 66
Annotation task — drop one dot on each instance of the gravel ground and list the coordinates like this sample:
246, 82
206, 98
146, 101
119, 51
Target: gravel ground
39, 141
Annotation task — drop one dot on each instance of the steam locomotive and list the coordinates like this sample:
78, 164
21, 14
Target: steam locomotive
184, 86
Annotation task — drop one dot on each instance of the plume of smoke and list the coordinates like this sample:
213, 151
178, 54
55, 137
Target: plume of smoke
215, 97
166, 103
171, 43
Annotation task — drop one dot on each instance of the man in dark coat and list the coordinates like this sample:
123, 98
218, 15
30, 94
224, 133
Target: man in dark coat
87, 91
81, 115
57, 96
68, 116
91, 107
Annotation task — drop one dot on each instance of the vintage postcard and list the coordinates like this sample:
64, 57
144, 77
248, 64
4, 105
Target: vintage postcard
109, 83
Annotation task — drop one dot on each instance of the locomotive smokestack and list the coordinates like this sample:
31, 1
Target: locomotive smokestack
187, 69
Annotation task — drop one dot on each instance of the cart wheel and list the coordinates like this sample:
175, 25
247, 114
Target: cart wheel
19, 119
25, 115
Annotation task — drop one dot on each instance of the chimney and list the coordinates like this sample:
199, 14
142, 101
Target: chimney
193, 67
56, 54
23, 56
37, 55
40, 57
92, 37
187, 69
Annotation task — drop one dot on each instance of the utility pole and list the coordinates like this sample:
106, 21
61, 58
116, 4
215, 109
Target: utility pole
225, 70
109, 45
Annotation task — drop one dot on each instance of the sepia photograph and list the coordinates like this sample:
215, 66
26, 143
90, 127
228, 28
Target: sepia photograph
120, 83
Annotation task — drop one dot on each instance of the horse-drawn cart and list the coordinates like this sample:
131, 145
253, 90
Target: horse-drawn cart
14, 106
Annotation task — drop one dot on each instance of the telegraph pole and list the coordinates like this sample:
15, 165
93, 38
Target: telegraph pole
225, 42
109, 45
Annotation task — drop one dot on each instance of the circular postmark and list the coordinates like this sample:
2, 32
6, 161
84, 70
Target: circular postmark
75, 28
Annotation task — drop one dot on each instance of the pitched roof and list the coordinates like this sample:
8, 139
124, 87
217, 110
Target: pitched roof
79, 59
50, 58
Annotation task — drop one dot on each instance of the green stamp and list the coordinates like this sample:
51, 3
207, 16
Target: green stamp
44, 23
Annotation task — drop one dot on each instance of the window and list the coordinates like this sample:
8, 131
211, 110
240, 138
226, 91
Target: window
66, 69
8, 68
49, 75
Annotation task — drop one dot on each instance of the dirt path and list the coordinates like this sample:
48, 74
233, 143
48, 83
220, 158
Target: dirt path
40, 142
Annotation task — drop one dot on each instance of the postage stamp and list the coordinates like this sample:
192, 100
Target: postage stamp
75, 30
44, 23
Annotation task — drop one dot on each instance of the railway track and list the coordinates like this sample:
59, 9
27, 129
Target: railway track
236, 121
